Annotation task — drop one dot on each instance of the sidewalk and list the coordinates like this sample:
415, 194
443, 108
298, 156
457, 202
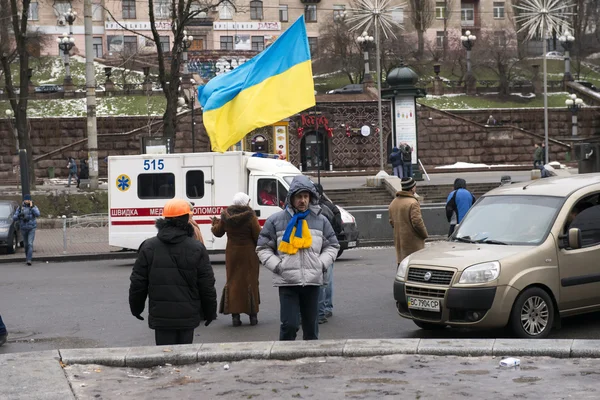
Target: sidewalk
419, 368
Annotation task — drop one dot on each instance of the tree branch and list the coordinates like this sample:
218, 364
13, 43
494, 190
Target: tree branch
127, 29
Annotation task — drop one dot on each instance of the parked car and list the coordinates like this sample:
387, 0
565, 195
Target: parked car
10, 234
49, 89
588, 85
554, 54
525, 256
348, 89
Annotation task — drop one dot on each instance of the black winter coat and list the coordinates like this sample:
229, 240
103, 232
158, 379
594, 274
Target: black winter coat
174, 271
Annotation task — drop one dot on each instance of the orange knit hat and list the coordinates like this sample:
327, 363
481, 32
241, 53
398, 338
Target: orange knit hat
176, 208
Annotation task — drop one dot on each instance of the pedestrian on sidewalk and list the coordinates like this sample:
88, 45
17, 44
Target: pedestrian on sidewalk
459, 201
298, 244
72, 166
538, 156
406, 220
3, 332
396, 161
26, 216
84, 171
241, 293
174, 271
407, 160
334, 216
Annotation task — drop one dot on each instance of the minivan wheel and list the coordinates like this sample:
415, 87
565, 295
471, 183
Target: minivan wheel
429, 326
11, 248
533, 314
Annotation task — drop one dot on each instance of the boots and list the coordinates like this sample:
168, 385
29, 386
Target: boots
253, 319
235, 319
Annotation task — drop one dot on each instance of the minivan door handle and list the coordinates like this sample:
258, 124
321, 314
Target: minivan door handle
210, 181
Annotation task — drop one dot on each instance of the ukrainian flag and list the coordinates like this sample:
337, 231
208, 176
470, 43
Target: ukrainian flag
274, 85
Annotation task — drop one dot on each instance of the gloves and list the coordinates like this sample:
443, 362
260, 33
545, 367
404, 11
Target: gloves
208, 321
139, 317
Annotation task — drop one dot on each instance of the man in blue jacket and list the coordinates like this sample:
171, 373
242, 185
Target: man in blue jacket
26, 215
458, 203
396, 161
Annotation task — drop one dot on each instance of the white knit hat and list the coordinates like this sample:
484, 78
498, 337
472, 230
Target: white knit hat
241, 199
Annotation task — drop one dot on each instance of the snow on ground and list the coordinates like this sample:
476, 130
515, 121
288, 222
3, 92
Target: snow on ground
465, 165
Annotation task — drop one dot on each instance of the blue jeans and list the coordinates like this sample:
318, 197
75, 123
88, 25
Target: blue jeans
326, 294
28, 237
2, 327
296, 301
72, 174
408, 170
398, 171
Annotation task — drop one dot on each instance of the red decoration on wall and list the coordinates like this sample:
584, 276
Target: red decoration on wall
329, 131
313, 122
348, 131
300, 132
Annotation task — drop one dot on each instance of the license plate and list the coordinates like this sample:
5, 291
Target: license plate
351, 244
418, 303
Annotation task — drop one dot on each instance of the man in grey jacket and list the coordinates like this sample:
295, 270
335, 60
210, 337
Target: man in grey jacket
298, 244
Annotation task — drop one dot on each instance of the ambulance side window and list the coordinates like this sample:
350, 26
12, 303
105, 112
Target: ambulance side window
194, 184
156, 186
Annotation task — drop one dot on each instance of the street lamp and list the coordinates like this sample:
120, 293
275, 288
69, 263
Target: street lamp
364, 41
186, 43
22, 155
66, 43
468, 41
70, 17
574, 103
566, 40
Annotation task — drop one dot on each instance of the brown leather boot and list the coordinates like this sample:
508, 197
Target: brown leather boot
253, 319
235, 319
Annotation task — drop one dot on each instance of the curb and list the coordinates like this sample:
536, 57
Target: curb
152, 356
73, 257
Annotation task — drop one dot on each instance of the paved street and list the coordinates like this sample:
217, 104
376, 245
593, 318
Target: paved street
389, 377
84, 304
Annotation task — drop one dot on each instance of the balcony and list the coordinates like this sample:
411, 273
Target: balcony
206, 21
310, 1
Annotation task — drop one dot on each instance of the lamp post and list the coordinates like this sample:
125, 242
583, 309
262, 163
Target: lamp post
574, 103
468, 41
438, 87
66, 43
22, 155
186, 43
70, 17
566, 40
364, 41
194, 94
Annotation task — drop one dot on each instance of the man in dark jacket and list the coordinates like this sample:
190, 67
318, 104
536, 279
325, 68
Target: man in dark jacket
84, 171
174, 271
407, 160
396, 161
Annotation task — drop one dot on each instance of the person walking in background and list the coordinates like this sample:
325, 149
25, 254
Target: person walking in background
538, 156
459, 201
491, 121
298, 244
396, 161
26, 215
3, 332
406, 220
406, 160
174, 271
72, 166
334, 216
84, 171
241, 293
545, 153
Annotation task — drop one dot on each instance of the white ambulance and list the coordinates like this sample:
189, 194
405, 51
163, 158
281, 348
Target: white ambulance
140, 185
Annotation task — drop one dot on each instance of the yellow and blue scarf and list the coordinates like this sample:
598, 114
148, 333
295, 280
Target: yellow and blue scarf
297, 235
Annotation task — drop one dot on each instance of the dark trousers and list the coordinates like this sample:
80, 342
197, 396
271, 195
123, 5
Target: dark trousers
299, 301
537, 163
166, 337
407, 169
451, 230
2, 327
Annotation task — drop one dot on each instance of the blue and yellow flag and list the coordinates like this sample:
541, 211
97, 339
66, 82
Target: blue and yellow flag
275, 84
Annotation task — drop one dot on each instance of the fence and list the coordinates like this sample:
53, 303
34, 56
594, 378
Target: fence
85, 234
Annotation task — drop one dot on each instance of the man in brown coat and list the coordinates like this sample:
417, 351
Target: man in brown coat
405, 217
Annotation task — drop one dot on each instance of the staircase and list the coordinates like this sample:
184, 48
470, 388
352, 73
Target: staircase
368, 196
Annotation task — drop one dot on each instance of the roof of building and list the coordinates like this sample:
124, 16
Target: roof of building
370, 94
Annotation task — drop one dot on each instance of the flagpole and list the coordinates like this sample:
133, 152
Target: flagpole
379, 113
320, 152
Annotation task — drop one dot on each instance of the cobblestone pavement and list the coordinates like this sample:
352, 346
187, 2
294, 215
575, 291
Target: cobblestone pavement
388, 377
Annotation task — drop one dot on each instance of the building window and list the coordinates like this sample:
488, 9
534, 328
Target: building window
197, 44
128, 9
439, 39
467, 14
226, 42
440, 10
313, 45
499, 39
156, 186
258, 43
165, 44
310, 13
194, 184
256, 10
33, 11
98, 50
162, 9
398, 15
283, 13
130, 44
97, 9
226, 11
499, 9
338, 11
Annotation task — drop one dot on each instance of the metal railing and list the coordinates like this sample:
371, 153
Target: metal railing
84, 229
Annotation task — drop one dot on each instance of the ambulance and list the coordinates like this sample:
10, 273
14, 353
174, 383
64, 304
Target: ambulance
140, 185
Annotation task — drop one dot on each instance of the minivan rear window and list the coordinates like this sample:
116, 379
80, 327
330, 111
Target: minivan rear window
156, 186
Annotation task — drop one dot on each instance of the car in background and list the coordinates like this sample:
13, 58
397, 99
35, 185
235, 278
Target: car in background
588, 85
348, 89
555, 54
10, 234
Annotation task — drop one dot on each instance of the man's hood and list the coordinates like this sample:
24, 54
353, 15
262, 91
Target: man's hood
301, 183
172, 231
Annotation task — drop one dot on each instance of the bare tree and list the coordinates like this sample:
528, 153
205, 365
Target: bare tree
448, 6
498, 52
422, 16
339, 51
